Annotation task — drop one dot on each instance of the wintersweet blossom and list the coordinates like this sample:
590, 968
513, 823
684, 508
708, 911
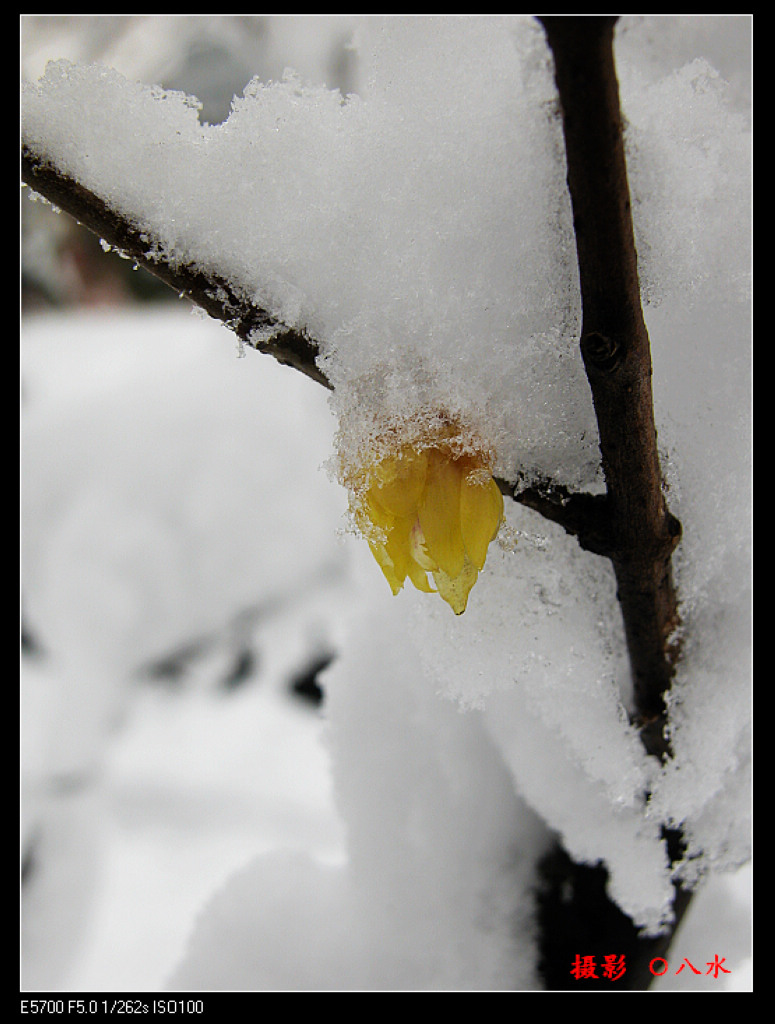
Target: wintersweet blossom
431, 509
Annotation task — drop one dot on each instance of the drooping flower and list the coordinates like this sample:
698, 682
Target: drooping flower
430, 508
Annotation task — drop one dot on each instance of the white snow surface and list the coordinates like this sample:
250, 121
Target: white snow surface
421, 231
392, 815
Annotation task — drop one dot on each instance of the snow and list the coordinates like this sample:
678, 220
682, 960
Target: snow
371, 263
171, 506
185, 798
412, 777
174, 494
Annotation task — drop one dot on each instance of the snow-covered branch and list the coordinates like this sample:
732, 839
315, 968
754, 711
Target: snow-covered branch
579, 514
633, 509
631, 525
203, 286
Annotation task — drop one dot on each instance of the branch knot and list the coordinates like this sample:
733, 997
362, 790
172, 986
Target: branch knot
600, 352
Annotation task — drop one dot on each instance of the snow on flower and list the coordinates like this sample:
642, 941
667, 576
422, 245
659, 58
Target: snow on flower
431, 506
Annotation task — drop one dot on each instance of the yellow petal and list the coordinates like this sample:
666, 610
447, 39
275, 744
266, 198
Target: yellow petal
455, 590
418, 549
481, 511
398, 482
398, 546
439, 513
419, 578
373, 513
394, 557
426, 512
386, 564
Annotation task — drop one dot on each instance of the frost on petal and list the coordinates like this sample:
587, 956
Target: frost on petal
371, 515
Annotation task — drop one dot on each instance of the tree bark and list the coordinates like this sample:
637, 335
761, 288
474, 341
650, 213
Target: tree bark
631, 525
641, 534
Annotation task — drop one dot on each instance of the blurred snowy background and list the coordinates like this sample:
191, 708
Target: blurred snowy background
187, 579
170, 707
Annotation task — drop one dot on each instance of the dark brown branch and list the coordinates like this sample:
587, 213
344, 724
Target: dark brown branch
584, 516
254, 326
639, 532
574, 913
616, 352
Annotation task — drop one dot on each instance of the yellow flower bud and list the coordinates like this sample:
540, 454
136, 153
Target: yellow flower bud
430, 509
